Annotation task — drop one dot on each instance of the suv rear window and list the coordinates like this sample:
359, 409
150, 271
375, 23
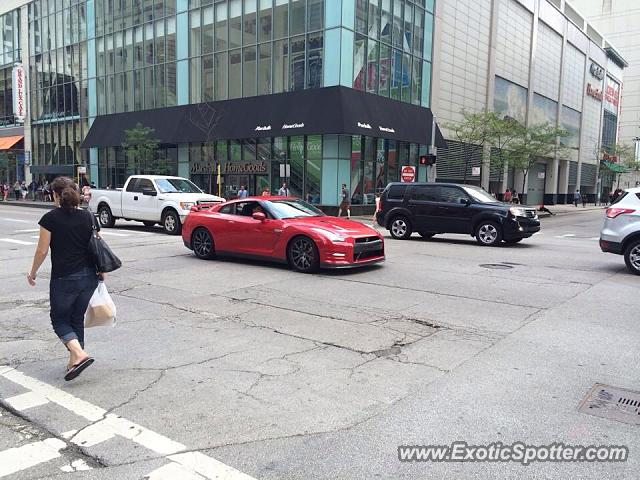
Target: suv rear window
396, 192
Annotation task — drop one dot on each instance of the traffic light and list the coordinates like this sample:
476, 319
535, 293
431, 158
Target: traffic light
427, 160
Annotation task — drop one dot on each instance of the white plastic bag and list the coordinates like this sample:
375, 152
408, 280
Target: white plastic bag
101, 311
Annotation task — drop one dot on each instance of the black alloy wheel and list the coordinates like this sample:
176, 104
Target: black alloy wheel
202, 244
303, 255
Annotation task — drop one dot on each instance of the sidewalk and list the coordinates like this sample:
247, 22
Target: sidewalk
28, 203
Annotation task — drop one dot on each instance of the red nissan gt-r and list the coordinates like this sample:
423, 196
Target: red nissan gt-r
282, 229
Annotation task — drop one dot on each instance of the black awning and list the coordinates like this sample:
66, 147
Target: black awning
330, 110
53, 170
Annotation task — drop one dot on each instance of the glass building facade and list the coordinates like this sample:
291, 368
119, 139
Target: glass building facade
95, 58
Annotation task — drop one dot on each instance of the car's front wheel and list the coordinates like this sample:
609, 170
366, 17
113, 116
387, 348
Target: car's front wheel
400, 228
632, 257
488, 233
202, 244
171, 222
303, 255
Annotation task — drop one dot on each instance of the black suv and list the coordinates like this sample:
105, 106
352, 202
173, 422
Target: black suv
432, 208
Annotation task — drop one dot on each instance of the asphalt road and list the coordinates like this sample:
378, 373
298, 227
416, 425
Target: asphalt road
237, 370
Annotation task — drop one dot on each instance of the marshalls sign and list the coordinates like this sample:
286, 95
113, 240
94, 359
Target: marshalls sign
19, 103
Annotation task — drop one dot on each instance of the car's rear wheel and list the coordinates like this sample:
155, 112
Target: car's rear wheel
149, 224
488, 233
513, 240
171, 222
632, 257
427, 234
303, 255
202, 243
105, 216
400, 228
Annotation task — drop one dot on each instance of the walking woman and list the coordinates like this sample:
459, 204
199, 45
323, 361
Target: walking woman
67, 230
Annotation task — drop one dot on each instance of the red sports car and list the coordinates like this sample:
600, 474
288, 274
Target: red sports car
282, 229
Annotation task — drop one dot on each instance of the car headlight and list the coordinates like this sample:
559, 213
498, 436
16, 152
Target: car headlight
517, 212
187, 205
333, 237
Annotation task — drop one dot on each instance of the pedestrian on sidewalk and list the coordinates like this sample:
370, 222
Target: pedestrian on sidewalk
544, 209
24, 190
514, 196
243, 193
585, 197
284, 191
507, 195
577, 197
67, 230
16, 190
33, 188
344, 203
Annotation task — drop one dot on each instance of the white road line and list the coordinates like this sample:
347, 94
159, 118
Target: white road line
15, 459
595, 238
103, 232
16, 220
76, 466
17, 242
28, 230
26, 400
568, 235
195, 464
171, 471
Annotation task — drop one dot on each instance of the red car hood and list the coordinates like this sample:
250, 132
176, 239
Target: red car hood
340, 226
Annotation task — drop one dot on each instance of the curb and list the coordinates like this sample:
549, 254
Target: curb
29, 204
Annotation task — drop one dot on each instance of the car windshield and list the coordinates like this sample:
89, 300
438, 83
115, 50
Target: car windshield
176, 185
292, 209
479, 195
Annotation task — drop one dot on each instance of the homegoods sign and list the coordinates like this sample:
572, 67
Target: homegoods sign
19, 101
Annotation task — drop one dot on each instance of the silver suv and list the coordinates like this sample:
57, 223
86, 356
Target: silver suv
620, 233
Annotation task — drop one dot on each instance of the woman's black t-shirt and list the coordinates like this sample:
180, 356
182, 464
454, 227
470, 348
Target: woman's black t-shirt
70, 233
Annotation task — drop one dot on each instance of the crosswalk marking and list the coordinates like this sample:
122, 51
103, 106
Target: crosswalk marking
187, 465
103, 232
27, 400
76, 466
15, 459
16, 220
17, 242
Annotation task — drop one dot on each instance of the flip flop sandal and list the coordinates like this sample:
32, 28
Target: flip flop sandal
78, 368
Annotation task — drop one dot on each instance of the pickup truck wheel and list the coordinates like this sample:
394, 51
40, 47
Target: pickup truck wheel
202, 244
149, 224
171, 223
106, 217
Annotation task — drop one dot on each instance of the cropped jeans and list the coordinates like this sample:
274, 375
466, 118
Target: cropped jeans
69, 297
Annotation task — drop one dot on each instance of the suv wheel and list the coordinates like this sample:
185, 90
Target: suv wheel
400, 228
488, 233
632, 257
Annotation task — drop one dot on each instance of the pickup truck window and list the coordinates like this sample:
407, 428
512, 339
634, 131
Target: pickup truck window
145, 183
132, 185
176, 185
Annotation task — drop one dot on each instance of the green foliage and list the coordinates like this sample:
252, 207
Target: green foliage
140, 145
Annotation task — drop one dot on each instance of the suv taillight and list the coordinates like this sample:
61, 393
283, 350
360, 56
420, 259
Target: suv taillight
613, 212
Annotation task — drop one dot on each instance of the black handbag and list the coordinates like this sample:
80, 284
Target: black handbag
104, 259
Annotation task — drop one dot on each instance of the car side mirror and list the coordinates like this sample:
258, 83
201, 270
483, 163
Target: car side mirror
465, 201
259, 216
149, 191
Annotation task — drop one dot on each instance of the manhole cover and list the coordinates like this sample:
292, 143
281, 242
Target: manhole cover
496, 266
614, 403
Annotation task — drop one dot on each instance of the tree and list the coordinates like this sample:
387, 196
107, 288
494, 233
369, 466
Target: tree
528, 144
140, 145
475, 132
623, 159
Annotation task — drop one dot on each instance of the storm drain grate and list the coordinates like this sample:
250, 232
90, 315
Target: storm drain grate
496, 266
614, 403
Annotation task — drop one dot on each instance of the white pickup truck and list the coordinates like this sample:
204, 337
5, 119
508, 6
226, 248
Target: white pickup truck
150, 199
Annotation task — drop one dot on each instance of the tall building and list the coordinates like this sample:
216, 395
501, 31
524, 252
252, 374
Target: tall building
537, 61
316, 93
618, 21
